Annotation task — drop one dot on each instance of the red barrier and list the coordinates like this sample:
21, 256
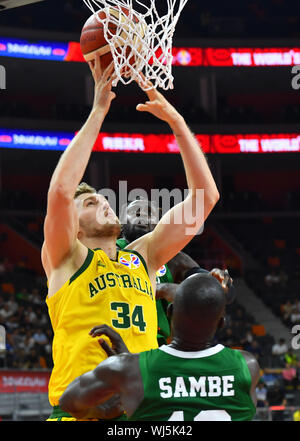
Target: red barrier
24, 381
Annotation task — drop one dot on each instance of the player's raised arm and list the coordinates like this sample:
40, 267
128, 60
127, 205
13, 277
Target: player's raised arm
61, 223
178, 226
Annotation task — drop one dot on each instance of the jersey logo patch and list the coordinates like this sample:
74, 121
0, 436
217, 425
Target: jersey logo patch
99, 263
162, 271
130, 260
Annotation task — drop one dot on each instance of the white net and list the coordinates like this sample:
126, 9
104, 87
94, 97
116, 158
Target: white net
140, 36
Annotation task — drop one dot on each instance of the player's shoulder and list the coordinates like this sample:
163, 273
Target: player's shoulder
116, 368
119, 363
247, 355
125, 366
251, 361
140, 243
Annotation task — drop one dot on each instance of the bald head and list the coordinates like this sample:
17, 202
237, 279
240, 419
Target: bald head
198, 307
200, 294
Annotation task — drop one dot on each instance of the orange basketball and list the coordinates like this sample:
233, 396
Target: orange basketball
93, 42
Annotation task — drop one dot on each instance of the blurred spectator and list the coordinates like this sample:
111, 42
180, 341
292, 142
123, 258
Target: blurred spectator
40, 337
12, 304
41, 319
17, 338
280, 348
295, 315
272, 278
5, 312
289, 376
30, 316
276, 397
35, 297
291, 358
261, 393
22, 295
248, 338
12, 323
254, 348
9, 354
287, 310
228, 338
283, 277
29, 341
20, 360
32, 359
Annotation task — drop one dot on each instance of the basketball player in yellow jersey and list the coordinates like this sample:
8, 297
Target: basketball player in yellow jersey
89, 282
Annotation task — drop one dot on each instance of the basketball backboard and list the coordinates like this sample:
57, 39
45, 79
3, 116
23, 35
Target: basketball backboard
8, 4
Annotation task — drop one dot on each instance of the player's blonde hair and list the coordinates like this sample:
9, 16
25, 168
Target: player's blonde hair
82, 188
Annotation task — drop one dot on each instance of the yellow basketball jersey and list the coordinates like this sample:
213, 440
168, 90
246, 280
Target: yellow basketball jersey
103, 291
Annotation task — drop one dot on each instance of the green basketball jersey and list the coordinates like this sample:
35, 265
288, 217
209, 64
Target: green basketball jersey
209, 385
163, 275
122, 243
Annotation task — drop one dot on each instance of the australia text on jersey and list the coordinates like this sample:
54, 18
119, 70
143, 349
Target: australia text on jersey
114, 280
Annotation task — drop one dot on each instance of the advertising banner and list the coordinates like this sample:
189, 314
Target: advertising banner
24, 381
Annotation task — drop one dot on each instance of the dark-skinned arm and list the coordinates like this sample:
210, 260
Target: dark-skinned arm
167, 291
82, 397
110, 408
117, 344
254, 370
179, 265
182, 266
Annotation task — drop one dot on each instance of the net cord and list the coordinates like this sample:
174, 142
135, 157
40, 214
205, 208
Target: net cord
143, 40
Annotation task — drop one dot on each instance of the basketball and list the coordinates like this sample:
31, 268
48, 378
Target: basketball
93, 41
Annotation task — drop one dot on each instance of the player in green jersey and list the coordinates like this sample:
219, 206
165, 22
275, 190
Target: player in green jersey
189, 380
140, 217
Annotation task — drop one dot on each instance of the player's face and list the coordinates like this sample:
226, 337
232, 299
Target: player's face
141, 218
96, 217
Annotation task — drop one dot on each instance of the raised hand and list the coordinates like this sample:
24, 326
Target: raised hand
158, 106
118, 345
226, 281
103, 94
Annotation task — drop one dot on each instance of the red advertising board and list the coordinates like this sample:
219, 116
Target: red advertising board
155, 143
24, 381
231, 143
182, 56
251, 57
140, 143
255, 143
218, 57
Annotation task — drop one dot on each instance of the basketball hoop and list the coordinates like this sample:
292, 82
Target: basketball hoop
148, 40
